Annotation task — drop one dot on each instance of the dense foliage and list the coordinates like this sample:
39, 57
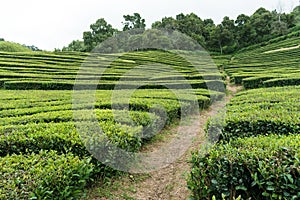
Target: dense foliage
227, 37
45, 175
257, 153
257, 168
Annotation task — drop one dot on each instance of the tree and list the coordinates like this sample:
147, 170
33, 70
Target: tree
134, 21
166, 23
245, 32
262, 21
1, 39
208, 27
222, 37
100, 31
192, 25
156, 39
75, 45
32, 47
279, 28
241, 20
296, 16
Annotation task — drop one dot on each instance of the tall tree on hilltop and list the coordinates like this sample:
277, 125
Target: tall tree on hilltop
192, 25
222, 36
208, 26
100, 31
245, 32
75, 45
262, 21
168, 23
134, 21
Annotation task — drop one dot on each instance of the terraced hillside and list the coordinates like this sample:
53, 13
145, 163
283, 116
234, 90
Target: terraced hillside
42, 154
275, 64
52, 71
257, 153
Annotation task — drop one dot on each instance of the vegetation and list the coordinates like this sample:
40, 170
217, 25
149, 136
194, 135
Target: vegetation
50, 71
257, 153
12, 47
273, 63
227, 37
35, 122
45, 175
257, 167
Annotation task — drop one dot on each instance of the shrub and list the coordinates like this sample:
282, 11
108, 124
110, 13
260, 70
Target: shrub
45, 175
258, 168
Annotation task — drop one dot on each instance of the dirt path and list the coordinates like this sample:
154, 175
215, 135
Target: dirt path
283, 49
169, 182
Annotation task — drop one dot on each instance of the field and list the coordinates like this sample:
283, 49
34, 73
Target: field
257, 153
264, 67
42, 154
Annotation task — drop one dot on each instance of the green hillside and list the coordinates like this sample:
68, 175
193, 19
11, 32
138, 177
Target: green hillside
12, 47
44, 156
275, 63
256, 156
37, 113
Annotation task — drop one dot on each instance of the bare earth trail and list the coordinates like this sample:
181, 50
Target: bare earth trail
169, 182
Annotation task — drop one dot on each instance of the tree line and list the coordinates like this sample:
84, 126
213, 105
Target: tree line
227, 37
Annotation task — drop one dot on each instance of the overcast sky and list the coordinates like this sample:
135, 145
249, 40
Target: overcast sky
50, 24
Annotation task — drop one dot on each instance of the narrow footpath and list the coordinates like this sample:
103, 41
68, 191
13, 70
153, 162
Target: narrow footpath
169, 182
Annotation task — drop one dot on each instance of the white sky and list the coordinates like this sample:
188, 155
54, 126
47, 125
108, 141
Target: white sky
50, 24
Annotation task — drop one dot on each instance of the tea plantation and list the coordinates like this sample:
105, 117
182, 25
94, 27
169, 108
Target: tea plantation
275, 63
42, 154
257, 154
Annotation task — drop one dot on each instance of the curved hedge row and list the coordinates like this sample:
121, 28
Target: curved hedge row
276, 64
50, 71
32, 121
257, 152
273, 111
38, 128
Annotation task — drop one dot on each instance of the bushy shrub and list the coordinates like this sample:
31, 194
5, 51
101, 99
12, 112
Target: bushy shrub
264, 167
45, 175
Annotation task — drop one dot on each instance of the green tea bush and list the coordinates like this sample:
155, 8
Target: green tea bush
45, 175
264, 167
282, 82
255, 82
261, 111
270, 65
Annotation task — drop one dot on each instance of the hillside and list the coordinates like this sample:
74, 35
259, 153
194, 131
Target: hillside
40, 114
257, 152
50, 102
275, 63
12, 47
